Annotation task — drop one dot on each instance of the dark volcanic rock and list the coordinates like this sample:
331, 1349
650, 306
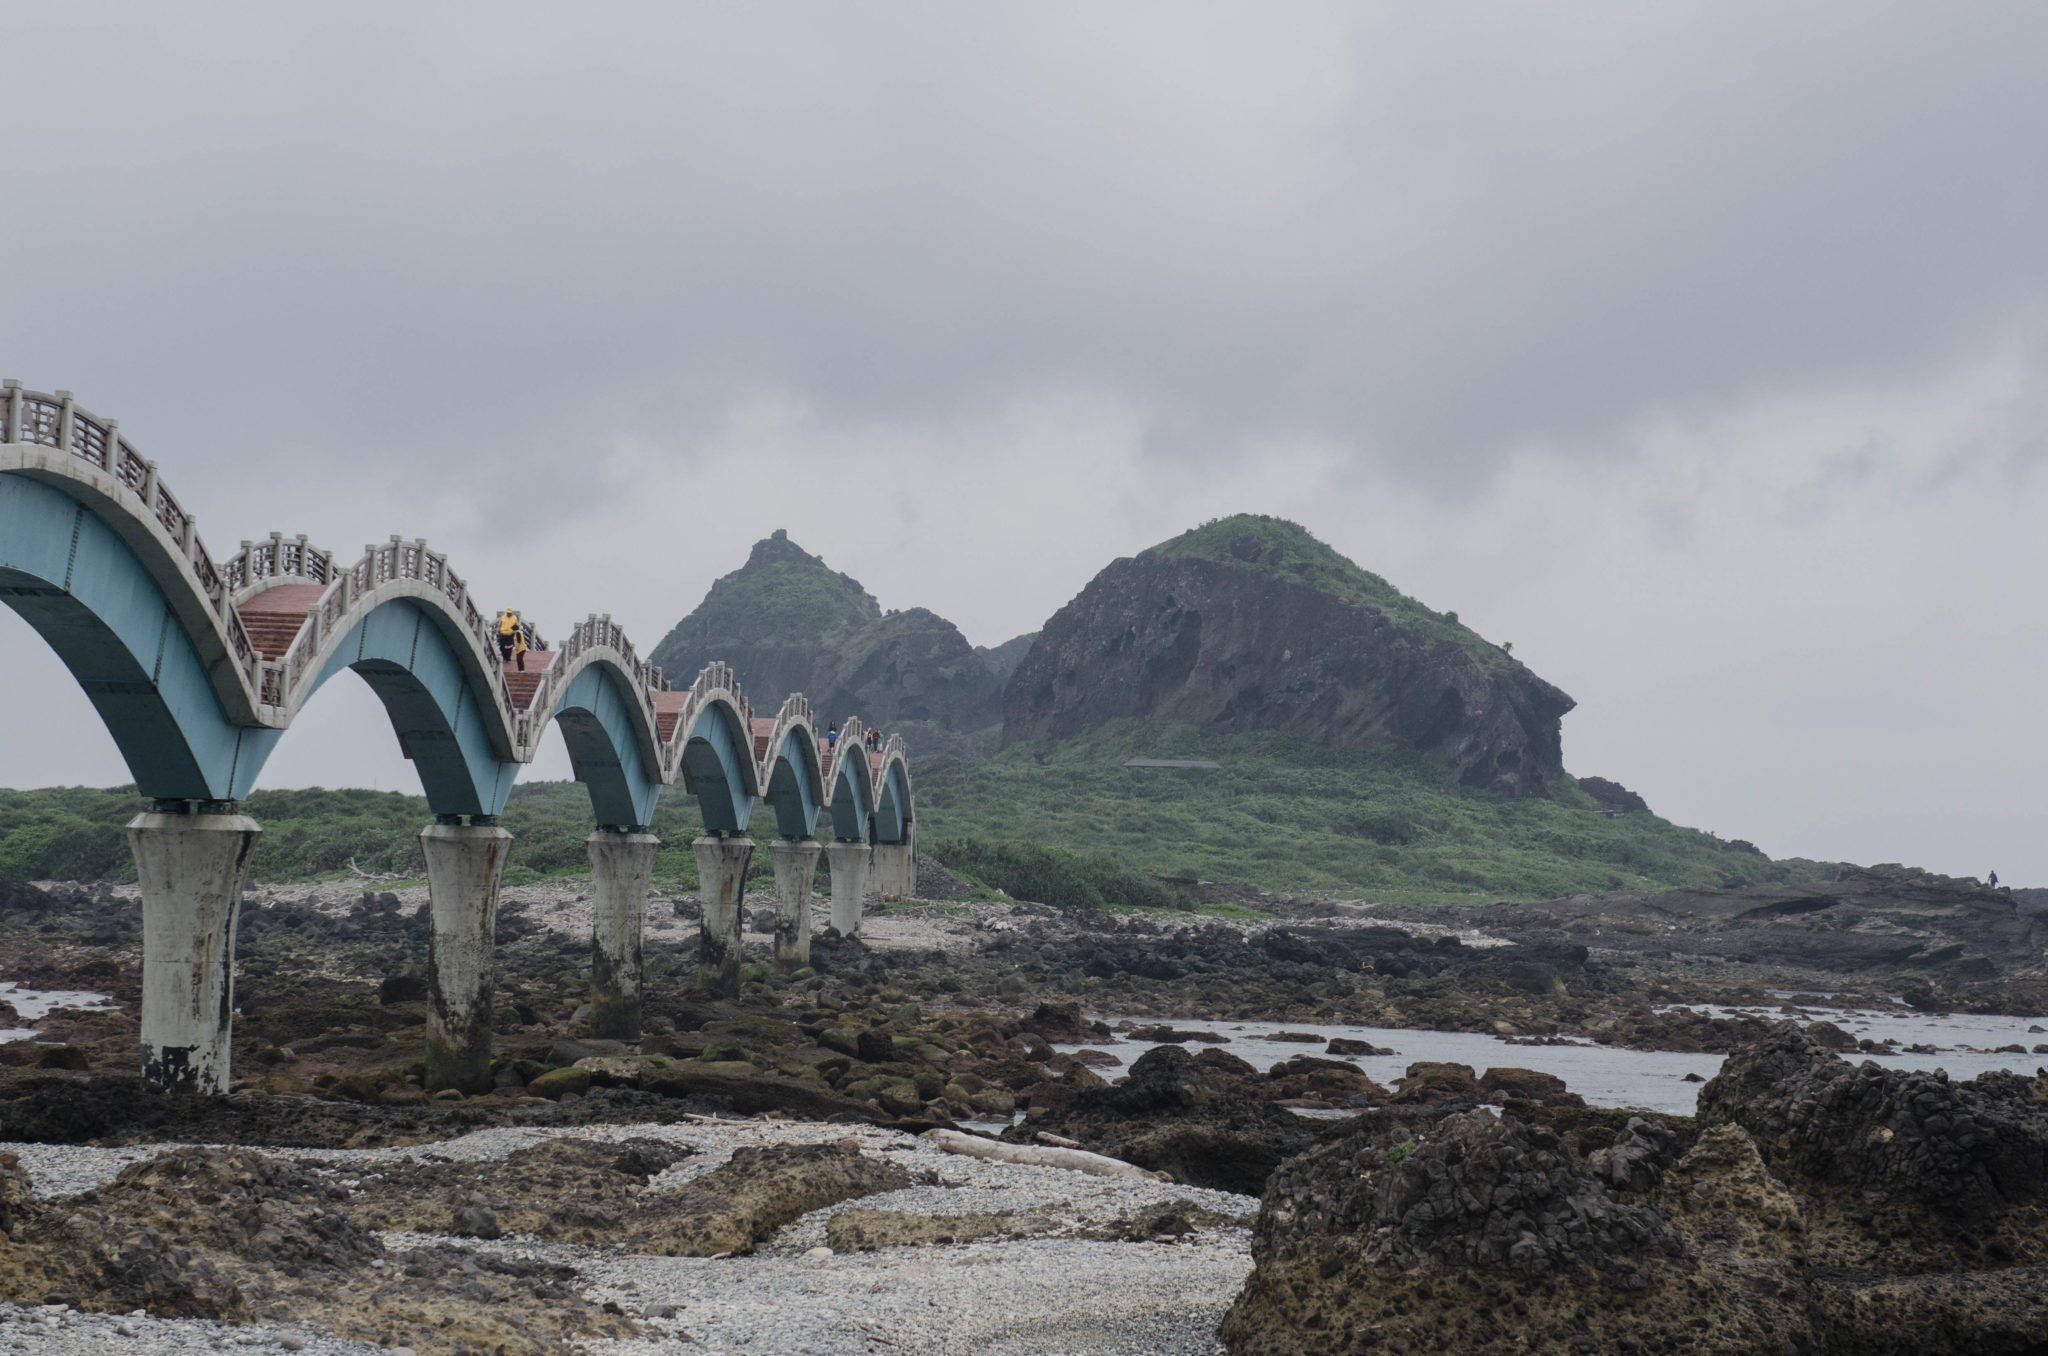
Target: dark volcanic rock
1172, 1115
1973, 1148
1885, 918
1613, 797
1243, 643
1003, 659
237, 1235
1816, 1208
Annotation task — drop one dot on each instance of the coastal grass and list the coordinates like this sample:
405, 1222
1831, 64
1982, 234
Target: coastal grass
1288, 815
1063, 823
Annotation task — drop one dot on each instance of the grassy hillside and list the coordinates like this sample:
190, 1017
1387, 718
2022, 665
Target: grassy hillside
1285, 815
1278, 814
1289, 551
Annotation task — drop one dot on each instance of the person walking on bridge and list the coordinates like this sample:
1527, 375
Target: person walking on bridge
519, 645
508, 633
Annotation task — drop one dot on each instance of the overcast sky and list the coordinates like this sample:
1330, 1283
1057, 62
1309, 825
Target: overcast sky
1698, 350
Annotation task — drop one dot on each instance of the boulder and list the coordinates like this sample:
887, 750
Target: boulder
1813, 1207
1429, 1083
1058, 1022
1330, 1080
556, 1083
1171, 1115
1344, 1045
1528, 1083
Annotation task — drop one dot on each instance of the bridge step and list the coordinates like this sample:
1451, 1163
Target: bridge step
274, 616
668, 709
522, 684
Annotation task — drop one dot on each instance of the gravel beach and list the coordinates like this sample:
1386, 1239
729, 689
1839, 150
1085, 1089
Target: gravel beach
1029, 1297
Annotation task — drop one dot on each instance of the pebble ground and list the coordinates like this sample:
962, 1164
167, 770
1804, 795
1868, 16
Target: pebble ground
1048, 1296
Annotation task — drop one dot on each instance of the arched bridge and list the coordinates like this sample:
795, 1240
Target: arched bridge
198, 665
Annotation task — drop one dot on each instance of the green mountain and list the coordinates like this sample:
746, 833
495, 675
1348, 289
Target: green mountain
788, 622
1251, 624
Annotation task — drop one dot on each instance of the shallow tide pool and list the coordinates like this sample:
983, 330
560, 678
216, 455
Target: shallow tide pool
1652, 1080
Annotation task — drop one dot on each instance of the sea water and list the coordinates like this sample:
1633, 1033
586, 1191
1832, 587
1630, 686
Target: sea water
1651, 1080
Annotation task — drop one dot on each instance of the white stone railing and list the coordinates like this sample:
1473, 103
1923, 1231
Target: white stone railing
714, 678
55, 420
280, 557
396, 559
595, 632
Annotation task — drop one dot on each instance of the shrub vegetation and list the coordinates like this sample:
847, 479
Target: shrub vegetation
1065, 824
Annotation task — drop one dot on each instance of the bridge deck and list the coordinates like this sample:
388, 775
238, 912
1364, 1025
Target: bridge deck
521, 684
274, 616
668, 709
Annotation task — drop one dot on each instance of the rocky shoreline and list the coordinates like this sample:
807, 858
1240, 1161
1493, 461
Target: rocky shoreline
757, 1161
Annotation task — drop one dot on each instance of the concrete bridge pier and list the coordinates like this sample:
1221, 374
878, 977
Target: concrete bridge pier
849, 863
796, 864
465, 862
894, 869
191, 868
622, 871
721, 885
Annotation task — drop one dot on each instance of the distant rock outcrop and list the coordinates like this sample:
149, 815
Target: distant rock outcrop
772, 620
1003, 659
1612, 797
1250, 623
788, 622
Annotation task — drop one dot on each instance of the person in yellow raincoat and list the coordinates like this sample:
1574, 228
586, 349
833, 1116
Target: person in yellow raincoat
510, 635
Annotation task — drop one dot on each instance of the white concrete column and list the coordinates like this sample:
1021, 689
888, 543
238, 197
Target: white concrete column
849, 863
464, 865
191, 869
796, 863
721, 886
621, 872
894, 870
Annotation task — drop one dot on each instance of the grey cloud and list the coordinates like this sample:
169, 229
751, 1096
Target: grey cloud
497, 232
440, 270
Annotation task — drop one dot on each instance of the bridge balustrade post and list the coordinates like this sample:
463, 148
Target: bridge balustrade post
721, 885
191, 868
849, 864
796, 865
464, 866
622, 872
13, 389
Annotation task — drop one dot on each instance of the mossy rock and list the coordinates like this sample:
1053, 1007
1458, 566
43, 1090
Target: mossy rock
843, 1039
900, 1097
725, 1054
556, 1083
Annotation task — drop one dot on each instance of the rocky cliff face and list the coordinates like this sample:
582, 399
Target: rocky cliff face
788, 622
912, 671
1251, 624
1003, 659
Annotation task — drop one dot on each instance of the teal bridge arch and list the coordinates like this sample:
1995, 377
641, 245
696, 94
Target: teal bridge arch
197, 666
